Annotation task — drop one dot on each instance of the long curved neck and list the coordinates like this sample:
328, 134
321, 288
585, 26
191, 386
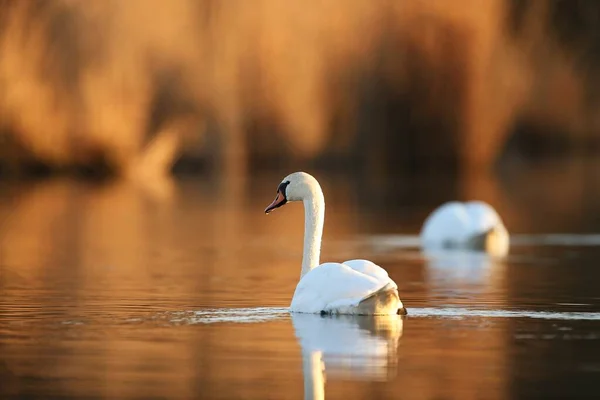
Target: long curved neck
314, 217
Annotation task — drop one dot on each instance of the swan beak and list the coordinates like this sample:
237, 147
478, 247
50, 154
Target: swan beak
278, 202
402, 311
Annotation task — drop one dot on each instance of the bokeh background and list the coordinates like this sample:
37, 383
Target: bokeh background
142, 86
140, 141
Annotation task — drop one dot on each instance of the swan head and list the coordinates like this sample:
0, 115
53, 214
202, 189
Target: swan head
294, 187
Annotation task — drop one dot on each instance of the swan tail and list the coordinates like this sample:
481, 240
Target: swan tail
480, 241
384, 301
494, 241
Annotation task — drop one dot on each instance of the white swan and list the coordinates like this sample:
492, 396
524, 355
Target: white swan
474, 225
352, 287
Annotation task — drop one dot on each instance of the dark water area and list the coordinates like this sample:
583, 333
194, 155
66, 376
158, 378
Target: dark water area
180, 290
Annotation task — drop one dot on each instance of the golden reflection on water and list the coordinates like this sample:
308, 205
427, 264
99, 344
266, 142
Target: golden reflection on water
88, 271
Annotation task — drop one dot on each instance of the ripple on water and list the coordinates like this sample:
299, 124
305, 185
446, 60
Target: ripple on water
231, 315
263, 314
466, 313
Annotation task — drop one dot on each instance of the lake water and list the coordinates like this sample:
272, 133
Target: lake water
180, 290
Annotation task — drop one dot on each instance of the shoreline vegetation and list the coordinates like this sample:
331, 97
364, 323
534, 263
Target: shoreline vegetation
130, 88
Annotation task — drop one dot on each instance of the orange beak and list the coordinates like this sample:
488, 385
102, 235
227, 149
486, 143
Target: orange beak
278, 202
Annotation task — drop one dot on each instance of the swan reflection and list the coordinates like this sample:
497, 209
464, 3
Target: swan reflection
346, 346
463, 269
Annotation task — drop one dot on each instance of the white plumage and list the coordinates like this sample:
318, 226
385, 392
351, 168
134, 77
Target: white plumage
340, 287
472, 225
352, 287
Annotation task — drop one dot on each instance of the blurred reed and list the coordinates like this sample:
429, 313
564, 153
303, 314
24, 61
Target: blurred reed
132, 87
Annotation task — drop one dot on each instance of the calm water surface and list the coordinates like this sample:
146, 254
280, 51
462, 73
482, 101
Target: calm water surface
180, 291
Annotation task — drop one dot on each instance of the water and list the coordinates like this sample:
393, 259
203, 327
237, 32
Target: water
180, 291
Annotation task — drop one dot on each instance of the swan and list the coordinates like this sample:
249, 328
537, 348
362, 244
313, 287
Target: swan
473, 225
353, 287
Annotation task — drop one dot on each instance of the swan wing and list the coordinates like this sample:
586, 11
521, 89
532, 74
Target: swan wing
448, 223
332, 286
371, 269
482, 217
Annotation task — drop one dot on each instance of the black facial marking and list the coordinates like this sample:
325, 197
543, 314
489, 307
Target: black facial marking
281, 188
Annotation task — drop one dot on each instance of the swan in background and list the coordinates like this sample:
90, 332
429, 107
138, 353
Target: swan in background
473, 225
352, 287
346, 347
